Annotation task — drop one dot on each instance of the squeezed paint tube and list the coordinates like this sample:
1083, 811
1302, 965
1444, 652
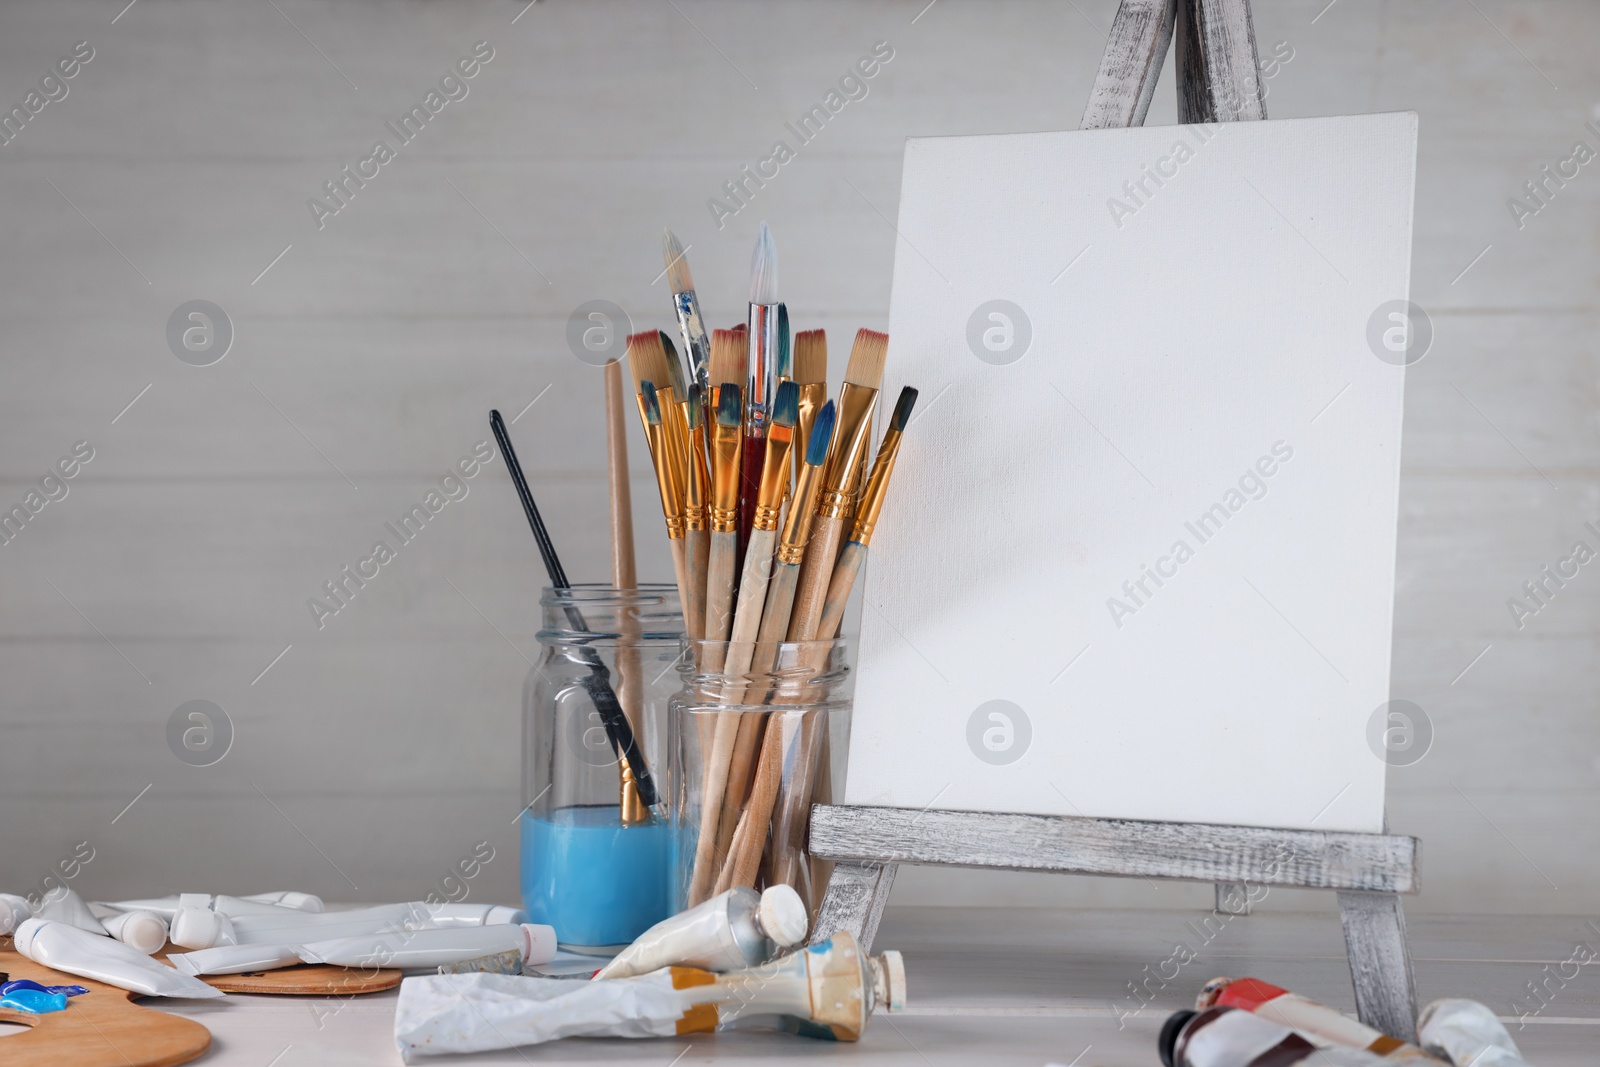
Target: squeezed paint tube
1321, 1025
67, 948
236, 959
62, 905
288, 898
14, 911
167, 907
1467, 1032
1221, 1036
197, 928
739, 928
449, 914
431, 948
827, 991
508, 962
143, 930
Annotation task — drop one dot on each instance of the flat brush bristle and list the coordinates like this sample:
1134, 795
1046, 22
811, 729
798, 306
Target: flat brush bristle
764, 269
647, 360
674, 365
866, 359
810, 357
821, 437
729, 408
786, 407
785, 347
652, 406
697, 408
677, 266
727, 356
902, 409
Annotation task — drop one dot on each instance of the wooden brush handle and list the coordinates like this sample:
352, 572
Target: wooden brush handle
845, 571
720, 566
815, 574
750, 838
680, 570
623, 573
755, 456
697, 551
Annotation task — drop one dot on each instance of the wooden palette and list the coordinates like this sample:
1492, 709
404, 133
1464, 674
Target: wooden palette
105, 1028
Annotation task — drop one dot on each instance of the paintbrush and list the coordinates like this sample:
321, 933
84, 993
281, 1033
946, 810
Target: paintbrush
744, 853
856, 401
811, 375
636, 778
647, 359
697, 510
687, 306
761, 374
624, 571
745, 730
727, 358
868, 508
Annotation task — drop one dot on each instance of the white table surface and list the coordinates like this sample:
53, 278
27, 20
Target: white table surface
1019, 986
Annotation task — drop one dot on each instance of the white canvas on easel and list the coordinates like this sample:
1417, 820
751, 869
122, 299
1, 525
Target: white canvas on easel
1124, 345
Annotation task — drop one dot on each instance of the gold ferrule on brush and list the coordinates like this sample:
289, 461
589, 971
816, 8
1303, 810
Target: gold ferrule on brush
631, 808
774, 477
725, 441
797, 526
871, 502
675, 435
697, 494
655, 437
855, 419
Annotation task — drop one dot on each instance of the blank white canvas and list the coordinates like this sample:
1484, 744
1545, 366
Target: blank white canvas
1188, 316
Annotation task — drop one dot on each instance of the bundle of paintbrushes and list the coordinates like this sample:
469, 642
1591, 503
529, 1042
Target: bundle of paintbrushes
769, 508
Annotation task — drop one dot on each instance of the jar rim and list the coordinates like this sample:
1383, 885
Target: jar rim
602, 593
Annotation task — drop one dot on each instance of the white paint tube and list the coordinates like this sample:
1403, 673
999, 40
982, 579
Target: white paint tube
143, 930
430, 949
827, 991
62, 905
288, 898
449, 914
1222, 1036
236, 959
14, 911
67, 948
167, 907
1319, 1024
1467, 1032
197, 928
739, 928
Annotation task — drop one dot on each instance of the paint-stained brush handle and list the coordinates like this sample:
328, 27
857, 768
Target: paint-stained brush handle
851, 557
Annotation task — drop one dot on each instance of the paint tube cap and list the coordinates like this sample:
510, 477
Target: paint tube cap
504, 915
14, 911
196, 928
143, 930
538, 943
782, 915
1168, 1041
894, 973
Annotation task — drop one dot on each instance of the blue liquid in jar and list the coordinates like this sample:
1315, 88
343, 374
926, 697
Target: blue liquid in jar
597, 882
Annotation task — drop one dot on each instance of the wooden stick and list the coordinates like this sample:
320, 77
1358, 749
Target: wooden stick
624, 572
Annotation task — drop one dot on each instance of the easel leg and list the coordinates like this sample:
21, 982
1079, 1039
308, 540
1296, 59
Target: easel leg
1233, 898
1380, 962
856, 895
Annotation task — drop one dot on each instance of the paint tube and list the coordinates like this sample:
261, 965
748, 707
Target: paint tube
431, 948
197, 928
288, 898
67, 948
739, 928
508, 962
1319, 1024
1467, 1032
827, 991
1221, 1036
236, 959
62, 905
167, 907
143, 930
474, 915
14, 911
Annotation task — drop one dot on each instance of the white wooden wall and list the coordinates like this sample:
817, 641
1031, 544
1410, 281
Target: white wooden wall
377, 751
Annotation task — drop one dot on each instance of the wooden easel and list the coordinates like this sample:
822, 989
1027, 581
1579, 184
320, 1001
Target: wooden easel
1218, 81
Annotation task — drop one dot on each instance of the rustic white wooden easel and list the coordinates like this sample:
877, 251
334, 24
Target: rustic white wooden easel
1218, 80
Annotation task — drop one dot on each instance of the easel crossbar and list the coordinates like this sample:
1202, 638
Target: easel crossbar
1196, 852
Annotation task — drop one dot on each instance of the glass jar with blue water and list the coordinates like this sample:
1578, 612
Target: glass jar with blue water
596, 855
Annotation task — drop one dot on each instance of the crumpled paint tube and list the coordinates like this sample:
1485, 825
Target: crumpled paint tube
1467, 1032
430, 948
62, 905
1320, 1024
448, 1013
14, 911
1221, 1036
236, 959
